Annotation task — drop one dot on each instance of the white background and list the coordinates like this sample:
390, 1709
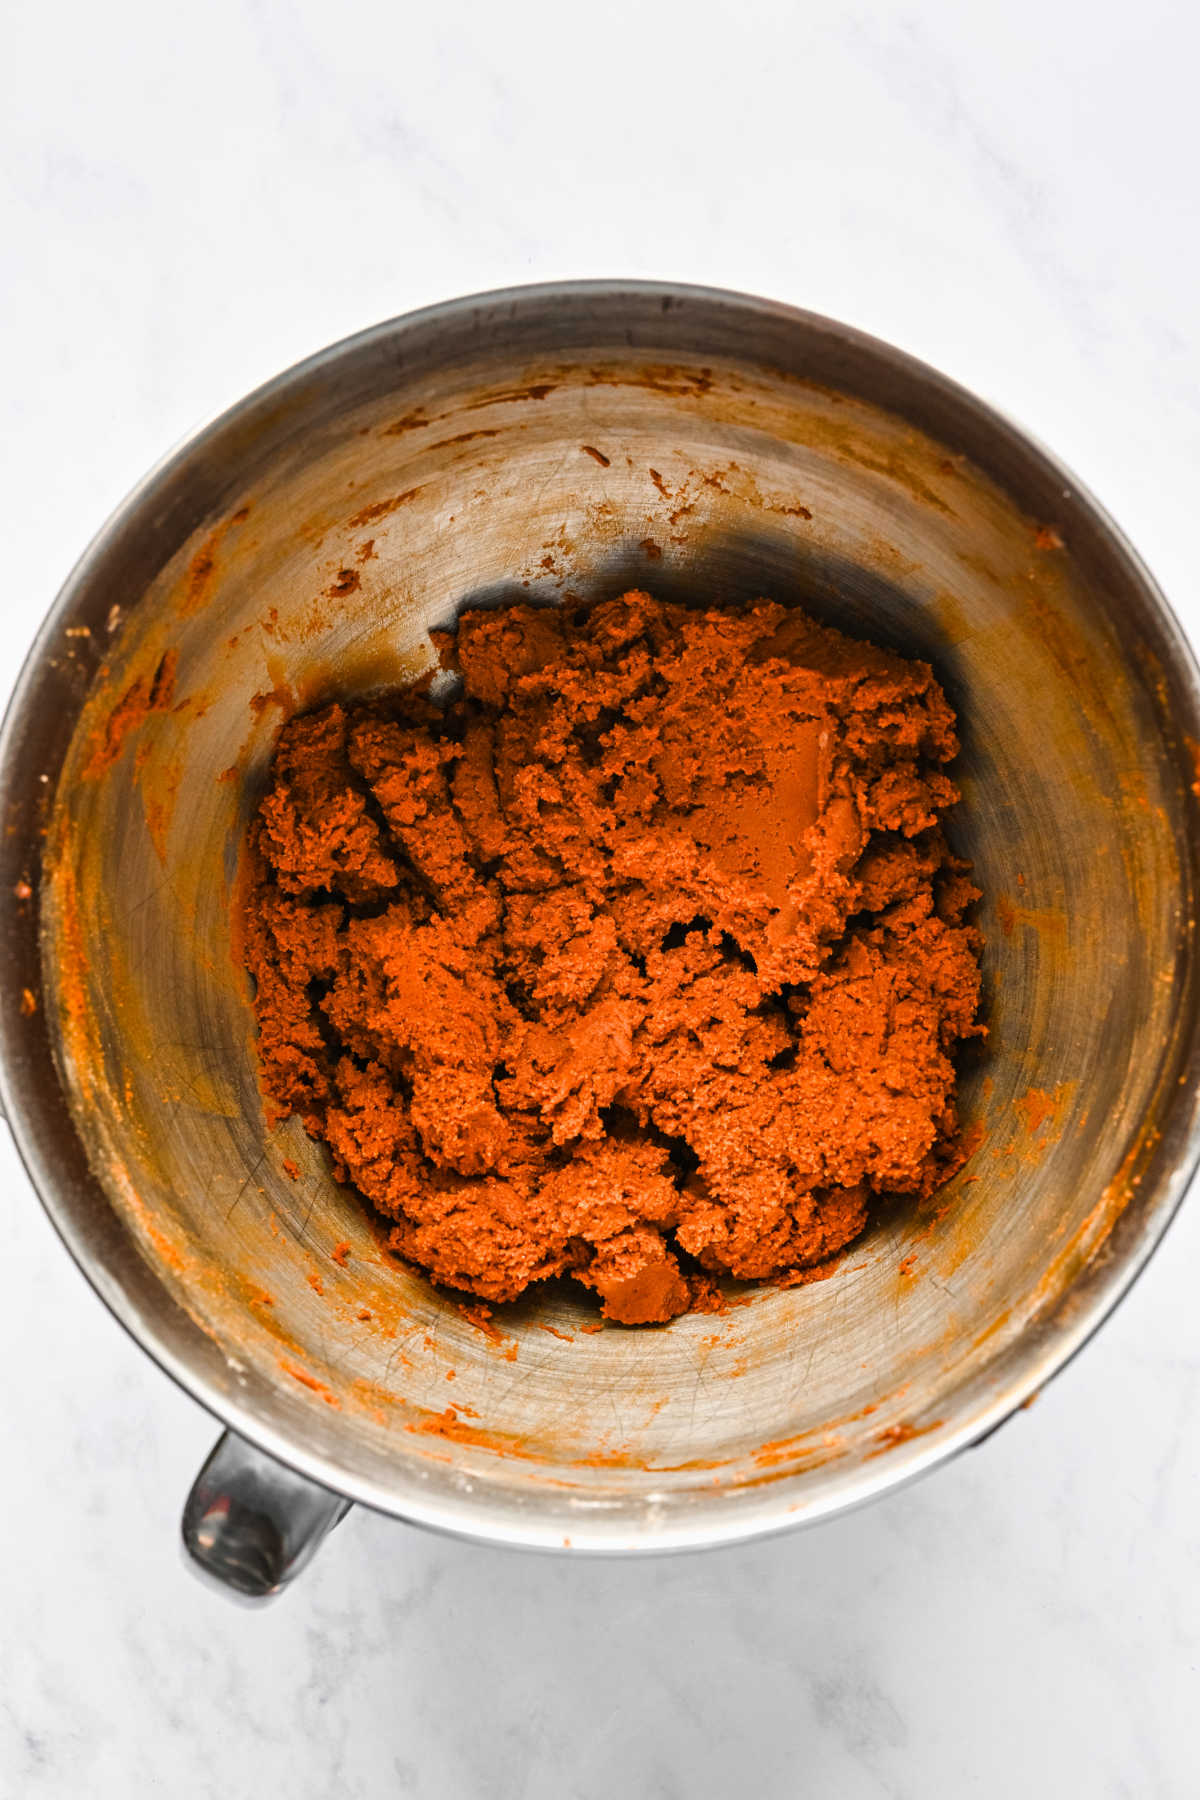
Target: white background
191, 198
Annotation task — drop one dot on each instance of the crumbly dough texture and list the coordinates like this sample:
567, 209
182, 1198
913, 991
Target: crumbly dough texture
641, 960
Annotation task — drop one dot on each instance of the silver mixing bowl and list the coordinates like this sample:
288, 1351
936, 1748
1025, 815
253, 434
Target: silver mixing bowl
566, 442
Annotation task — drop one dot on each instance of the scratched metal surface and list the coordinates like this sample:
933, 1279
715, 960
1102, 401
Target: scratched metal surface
561, 445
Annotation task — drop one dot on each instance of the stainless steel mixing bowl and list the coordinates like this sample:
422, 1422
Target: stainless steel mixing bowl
566, 442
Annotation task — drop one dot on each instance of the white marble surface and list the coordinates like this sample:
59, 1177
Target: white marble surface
189, 200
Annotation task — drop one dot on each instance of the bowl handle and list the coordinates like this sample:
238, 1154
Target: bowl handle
251, 1524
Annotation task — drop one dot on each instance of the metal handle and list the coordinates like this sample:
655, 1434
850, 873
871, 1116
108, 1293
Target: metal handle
250, 1524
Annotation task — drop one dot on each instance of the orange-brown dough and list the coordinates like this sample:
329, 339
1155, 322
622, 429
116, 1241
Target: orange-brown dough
642, 959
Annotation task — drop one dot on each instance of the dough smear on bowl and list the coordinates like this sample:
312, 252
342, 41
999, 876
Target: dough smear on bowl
641, 960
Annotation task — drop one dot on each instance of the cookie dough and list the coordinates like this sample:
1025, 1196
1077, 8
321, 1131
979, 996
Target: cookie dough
640, 959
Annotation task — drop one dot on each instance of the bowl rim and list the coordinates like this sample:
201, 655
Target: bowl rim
135, 1295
